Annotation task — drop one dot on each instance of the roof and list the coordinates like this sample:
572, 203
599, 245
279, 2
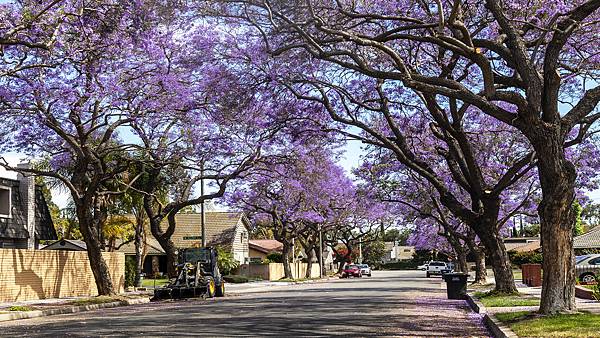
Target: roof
265, 245
66, 244
220, 228
589, 240
513, 243
152, 246
531, 246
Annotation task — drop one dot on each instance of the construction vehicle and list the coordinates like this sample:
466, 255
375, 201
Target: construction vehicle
197, 276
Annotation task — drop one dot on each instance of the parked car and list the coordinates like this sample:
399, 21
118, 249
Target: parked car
437, 268
587, 268
365, 270
423, 267
351, 270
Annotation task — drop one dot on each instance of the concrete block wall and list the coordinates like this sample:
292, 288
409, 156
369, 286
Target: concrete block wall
39, 274
274, 271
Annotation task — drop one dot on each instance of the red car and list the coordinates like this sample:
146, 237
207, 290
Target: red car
351, 270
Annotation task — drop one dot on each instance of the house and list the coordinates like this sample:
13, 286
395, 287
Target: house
223, 228
395, 252
67, 245
522, 244
590, 241
260, 248
24, 216
156, 259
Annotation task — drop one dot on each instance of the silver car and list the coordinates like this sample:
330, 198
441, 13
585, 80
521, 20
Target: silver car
587, 268
365, 269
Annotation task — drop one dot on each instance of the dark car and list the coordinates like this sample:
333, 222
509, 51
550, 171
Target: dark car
351, 270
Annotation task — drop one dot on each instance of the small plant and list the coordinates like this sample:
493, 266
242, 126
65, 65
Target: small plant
20, 308
596, 289
129, 271
275, 257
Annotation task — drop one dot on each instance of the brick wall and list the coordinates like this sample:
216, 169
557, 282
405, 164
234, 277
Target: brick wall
39, 274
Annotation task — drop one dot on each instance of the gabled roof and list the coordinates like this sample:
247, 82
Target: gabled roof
66, 244
265, 245
152, 246
220, 227
589, 240
531, 246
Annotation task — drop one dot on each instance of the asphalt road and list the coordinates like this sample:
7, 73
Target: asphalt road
391, 303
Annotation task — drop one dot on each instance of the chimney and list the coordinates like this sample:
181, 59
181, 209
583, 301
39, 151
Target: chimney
27, 189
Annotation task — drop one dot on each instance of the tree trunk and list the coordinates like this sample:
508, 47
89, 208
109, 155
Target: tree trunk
461, 260
459, 251
309, 258
285, 259
480, 270
557, 178
98, 265
492, 241
140, 251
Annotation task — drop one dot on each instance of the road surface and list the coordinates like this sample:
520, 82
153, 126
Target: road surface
391, 303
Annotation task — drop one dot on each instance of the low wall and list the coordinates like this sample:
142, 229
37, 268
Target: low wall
274, 271
39, 274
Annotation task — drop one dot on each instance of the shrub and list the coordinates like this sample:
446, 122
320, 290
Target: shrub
520, 258
129, 271
20, 308
275, 257
226, 261
399, 265
235, 279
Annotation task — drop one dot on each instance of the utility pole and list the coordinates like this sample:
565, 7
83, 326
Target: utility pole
320, 252
202, 211
360, 251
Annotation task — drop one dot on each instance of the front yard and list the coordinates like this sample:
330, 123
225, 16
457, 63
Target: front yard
491, 299
528, 324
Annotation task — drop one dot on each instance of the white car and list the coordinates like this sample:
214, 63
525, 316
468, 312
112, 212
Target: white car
365, 269
437, 268
423, 267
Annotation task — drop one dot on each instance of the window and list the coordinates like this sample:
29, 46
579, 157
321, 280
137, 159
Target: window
5, 202
595, 261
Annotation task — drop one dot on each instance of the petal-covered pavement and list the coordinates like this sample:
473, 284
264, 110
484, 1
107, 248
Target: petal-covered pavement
391, 303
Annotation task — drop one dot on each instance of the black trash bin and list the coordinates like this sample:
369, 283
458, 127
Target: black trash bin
456, 285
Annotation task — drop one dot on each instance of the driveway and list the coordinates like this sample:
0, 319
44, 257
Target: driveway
391, 303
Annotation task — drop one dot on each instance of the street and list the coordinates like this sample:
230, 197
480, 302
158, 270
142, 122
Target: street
391, 303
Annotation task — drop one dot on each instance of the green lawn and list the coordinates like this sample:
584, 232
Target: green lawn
526, 324
148, 283
491, 299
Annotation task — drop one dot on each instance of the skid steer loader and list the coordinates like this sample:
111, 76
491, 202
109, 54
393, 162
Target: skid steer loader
197, 276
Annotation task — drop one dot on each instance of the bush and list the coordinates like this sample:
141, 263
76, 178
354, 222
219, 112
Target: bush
235, 279
520, 258
226, 261
275, 257
400, 265
129, 271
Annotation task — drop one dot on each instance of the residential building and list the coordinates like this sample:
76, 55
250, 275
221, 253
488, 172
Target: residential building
24, 216
226, 229
395, 252
588, 242
260, 248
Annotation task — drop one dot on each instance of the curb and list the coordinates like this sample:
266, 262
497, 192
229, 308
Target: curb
73, 309
476, 305
496, 328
